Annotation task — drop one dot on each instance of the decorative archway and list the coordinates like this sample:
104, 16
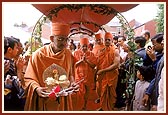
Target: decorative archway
89, 27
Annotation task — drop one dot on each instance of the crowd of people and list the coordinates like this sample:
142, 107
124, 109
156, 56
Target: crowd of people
102, 65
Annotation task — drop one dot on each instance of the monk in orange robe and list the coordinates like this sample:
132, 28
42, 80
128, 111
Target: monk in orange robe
108, 73
98, 43
96, 49
55, 53
84, 68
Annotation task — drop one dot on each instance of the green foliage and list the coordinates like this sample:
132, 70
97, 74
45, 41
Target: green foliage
131, 62
132, 46
160, 18
36, 34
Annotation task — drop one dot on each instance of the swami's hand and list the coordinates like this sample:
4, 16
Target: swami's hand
41, 91
75, 87
99, 72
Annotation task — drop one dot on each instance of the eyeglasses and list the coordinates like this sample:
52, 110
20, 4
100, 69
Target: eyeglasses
107, 39
98, 40
61, 38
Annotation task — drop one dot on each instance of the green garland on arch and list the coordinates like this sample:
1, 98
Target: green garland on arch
135, 60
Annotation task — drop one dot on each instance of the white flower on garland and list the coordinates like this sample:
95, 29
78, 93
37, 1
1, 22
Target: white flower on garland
62, 78
50, 81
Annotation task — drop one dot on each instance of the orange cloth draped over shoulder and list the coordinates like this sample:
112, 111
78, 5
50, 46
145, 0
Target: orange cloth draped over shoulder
109, 79
33, 78
83, 70
97, 48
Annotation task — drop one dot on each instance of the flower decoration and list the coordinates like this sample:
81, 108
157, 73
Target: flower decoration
62, 78
50, 81
56, 80
61, 82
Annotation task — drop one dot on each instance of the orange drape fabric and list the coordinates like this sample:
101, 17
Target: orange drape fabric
108, 79
83, 70
33, 78
96, 49
82, 15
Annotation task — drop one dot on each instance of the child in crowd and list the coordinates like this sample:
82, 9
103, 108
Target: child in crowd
144, 74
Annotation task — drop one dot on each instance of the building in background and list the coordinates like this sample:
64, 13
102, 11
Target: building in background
116, 29
150, 25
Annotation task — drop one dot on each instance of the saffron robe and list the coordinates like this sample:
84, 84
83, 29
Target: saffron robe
108, 79
40, 60
84, 70
96, 50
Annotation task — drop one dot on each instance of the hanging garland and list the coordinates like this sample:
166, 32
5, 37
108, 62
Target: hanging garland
80, 33
36, 34
90, 33
135, 60
97, 8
